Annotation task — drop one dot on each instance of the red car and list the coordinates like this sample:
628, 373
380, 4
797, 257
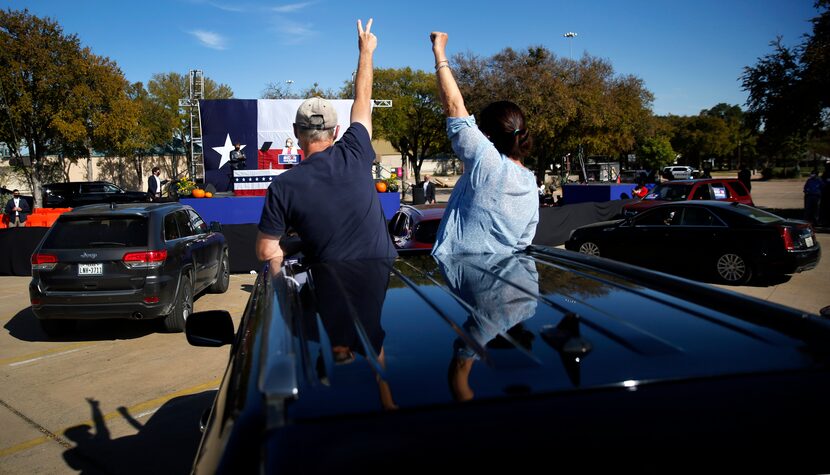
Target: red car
415, 227
717, 189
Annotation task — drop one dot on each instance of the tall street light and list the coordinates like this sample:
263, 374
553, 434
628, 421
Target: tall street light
289, 82
570, 36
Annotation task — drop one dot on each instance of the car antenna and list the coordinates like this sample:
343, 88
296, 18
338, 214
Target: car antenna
112, 205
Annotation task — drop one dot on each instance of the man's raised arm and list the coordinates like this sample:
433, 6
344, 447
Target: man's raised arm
362, 106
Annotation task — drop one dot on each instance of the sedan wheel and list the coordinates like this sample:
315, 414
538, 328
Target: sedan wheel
589, 248
733, 269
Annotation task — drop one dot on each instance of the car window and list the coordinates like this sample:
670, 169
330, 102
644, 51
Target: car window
92, 188
662, 216
400, 225
197, 222
171, 229
756, 214
670, 192
720, 192
696, 216
702, 192
183, 221
427, 231
97, 232
109, 188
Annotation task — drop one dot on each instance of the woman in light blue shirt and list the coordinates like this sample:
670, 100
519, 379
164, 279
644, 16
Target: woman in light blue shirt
494, 207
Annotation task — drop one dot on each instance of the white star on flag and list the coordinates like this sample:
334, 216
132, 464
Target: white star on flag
225, 150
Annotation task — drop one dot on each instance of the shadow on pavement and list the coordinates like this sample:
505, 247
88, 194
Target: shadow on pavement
25, 326
166, 443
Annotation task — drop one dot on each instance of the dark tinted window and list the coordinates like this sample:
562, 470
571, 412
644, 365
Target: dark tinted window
658, 217
82, 233
426, 231
184, 223
171, 229
756, 214
670, 192
694, 216
702, 193
197, 222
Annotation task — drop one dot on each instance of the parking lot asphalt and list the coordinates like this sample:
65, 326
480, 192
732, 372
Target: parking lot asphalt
121, 397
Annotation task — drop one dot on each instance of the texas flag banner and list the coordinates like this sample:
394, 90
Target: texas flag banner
263, 128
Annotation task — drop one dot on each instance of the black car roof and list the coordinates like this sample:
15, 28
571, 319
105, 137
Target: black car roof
122, 208
576, 323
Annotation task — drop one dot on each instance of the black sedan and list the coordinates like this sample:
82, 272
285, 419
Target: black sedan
545, 358
731, 242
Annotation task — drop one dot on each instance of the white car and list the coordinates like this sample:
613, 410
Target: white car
679, 172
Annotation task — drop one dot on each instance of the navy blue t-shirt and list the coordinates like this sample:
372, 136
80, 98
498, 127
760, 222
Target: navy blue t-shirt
330, 200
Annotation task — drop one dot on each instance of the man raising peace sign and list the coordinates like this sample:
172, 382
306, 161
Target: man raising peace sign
330, 198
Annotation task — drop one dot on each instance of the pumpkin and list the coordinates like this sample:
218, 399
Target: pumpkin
198, 193
208, 194
381, 186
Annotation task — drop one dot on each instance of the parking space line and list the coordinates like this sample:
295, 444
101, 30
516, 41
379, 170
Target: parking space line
142, 408
18, 360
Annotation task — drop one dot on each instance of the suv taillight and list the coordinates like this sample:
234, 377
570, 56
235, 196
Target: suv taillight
41, 261
787, 236
145, 259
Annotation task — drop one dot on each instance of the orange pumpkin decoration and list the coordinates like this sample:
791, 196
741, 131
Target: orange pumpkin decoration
208, 194
198, 193
381, 186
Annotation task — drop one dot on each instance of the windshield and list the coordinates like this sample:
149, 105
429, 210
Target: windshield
669, 192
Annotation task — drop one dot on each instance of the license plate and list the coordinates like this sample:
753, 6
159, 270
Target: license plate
91, 269
808, 241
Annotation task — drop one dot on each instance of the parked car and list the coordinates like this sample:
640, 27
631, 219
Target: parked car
544, 358
728, 241
131, 261
415, 227
78, 193
719, 189
679, 172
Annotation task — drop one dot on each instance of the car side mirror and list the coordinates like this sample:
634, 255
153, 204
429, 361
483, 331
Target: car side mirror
216, 226
209, 328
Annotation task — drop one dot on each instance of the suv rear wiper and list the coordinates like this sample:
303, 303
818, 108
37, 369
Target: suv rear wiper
108, 243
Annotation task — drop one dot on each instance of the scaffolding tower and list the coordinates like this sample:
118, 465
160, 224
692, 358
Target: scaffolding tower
195, 158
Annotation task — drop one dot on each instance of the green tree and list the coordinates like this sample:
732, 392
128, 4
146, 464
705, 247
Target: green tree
165, 90
655, 153
568, 104
788, 94
58, 97
414, 125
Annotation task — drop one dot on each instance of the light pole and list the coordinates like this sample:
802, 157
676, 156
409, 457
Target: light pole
570, 36
288, 82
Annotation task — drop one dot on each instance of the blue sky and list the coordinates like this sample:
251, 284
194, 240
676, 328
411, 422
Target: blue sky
690, 54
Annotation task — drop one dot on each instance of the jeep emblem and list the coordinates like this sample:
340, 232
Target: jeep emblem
89, 255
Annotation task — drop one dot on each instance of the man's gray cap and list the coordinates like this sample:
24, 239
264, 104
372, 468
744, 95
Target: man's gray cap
316, 113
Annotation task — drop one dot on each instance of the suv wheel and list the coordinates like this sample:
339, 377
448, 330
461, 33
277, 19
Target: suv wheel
732, 268
57, 327
183, 308
223, 275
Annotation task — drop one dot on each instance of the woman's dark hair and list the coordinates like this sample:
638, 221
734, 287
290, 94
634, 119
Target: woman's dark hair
504, 124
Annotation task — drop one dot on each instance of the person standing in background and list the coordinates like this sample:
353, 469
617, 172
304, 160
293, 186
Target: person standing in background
17, 210
154, 184
429, 190
745, 177
812, 197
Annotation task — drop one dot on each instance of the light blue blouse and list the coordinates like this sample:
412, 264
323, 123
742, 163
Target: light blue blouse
494, 207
